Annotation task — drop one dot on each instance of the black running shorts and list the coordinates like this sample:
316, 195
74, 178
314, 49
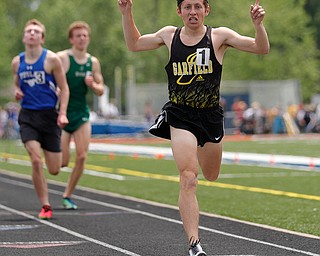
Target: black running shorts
205, 124
41, 126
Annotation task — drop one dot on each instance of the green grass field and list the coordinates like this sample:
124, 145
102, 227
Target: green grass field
282, 198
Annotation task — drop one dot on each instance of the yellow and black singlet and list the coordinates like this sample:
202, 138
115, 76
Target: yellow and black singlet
194, 73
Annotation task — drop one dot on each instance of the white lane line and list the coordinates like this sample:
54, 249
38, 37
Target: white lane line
63, 229
43, 244
200, 227
266, 175
281, 161
88, 200
110, 194
221, 176
16, 227
67, 169
97, 174
258, 241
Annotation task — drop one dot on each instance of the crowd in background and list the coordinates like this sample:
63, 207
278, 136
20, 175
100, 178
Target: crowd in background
247, 118
9, 127
254, 119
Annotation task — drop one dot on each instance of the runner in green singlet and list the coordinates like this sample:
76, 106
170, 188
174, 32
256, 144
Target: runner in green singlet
83, 71
78, 109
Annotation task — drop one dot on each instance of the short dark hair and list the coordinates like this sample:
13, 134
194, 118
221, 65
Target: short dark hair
180, 1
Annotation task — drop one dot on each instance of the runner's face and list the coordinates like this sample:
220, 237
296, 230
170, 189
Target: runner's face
33, 35
193, 12
80, 38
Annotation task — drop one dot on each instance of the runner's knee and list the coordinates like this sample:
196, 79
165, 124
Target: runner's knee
36, 164
81, 158
188, 180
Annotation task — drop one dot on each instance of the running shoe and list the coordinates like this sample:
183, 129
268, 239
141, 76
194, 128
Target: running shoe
68, 204
46, 212
196, 249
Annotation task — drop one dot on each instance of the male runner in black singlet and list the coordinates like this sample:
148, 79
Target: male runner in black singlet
192, 118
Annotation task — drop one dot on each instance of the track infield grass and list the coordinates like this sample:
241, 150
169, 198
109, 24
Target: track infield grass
282, 198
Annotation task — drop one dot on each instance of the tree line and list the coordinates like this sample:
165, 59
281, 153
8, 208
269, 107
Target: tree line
293, 28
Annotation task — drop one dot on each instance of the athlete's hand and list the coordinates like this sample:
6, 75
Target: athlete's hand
124, 5
18, 94
62, 120
89, 81
257, 13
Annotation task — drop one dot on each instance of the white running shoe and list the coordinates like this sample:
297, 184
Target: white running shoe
196, 249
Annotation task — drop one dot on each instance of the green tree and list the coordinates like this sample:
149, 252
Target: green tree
5, 45
293, 54
106, 32
292, 32
312, 7
13, 15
